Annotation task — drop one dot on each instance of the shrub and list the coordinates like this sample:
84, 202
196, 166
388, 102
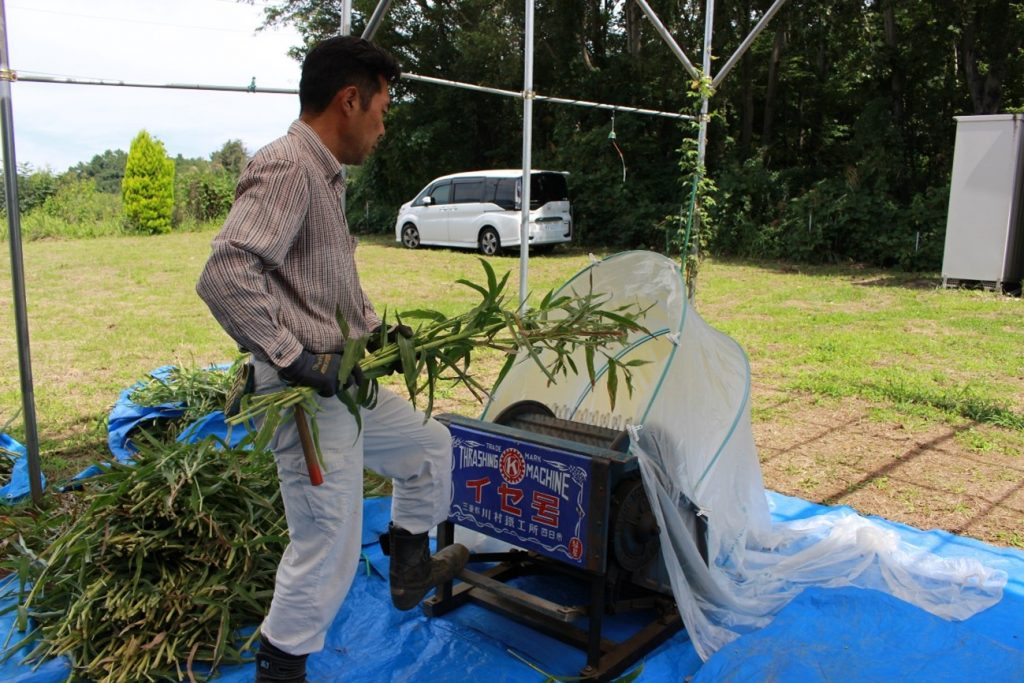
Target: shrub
208, 194
76, 209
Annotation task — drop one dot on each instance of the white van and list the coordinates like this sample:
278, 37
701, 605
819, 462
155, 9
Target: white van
482, 210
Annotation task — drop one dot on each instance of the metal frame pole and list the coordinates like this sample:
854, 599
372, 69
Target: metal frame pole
346, 17
727, 67
374, 23
524, 227
667, 37
709, 18
28, 402
518, 94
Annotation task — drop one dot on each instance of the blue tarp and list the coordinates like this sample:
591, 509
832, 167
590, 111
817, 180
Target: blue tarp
18, 487
126, 416
824, 635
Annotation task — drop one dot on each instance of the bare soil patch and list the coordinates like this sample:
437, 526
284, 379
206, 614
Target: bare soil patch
915, 472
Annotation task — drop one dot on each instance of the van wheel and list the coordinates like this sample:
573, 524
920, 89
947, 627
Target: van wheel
489, 244
410, 236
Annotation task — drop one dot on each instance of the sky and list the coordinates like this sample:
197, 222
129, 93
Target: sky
207, 42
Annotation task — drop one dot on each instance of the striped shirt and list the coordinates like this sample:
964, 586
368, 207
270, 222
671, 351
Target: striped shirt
283, 265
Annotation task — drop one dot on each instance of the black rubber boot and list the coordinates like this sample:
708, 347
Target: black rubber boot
413, 571
277, 666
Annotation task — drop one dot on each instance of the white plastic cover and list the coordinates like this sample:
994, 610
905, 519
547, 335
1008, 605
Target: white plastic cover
689, 421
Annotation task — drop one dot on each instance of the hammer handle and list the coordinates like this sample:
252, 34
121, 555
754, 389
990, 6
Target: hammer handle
316, 477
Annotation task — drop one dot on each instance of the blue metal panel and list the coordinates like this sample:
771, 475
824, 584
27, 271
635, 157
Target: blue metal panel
536, 496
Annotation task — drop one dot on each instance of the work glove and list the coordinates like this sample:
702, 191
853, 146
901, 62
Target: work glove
379, 339
319, 371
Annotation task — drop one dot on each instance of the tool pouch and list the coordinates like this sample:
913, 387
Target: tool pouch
243, 384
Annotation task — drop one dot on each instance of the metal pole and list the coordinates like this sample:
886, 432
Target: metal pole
346, 17
28, 401
524, 227
518, 94
709, 15
375, 19
727, 67
69, 80
546, 98
667, 37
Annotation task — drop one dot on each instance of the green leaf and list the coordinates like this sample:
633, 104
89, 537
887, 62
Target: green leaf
492, 283
424, 314
613, 383
410, 368
626, 322
353, 353
473, 285
500, 287
510, 360
353, 409
343, 326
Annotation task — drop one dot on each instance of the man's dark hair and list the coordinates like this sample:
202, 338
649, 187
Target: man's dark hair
339, 62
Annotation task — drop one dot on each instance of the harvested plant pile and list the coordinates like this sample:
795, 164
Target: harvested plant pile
198, 391
6, 465
167, 561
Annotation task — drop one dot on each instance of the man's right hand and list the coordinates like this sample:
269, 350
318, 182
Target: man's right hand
317, 370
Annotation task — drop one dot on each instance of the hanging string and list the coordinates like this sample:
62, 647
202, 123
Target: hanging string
611, 136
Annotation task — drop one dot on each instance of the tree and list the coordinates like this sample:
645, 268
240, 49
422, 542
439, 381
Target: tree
148, 186
231, 157
34, 187
106, 169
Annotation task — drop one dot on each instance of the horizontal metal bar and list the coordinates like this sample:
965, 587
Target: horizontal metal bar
546, 98
509, 594
68, 80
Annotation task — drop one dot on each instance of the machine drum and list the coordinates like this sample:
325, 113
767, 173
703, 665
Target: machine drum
634, 530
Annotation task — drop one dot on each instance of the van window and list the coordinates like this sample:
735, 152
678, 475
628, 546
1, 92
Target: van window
505, 193
547, 187
442, 193
468, 191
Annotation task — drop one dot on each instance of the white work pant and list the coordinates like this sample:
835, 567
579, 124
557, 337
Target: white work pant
325, 522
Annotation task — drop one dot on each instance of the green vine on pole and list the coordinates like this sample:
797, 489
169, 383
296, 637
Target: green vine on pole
695, 222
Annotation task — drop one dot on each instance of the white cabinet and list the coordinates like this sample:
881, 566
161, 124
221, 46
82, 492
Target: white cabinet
984, 238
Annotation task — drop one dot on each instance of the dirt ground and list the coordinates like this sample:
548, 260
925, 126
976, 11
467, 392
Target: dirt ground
915, 472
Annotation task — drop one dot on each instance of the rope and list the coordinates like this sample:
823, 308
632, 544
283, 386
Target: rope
611, 137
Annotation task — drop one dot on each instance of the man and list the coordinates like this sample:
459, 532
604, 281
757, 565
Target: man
282, 269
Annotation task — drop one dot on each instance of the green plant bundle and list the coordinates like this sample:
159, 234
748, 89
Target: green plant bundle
441, 348
199, 390
157, 569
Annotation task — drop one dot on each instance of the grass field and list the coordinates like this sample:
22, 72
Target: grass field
104, 312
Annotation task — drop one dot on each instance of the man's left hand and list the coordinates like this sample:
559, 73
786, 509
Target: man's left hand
380, 338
